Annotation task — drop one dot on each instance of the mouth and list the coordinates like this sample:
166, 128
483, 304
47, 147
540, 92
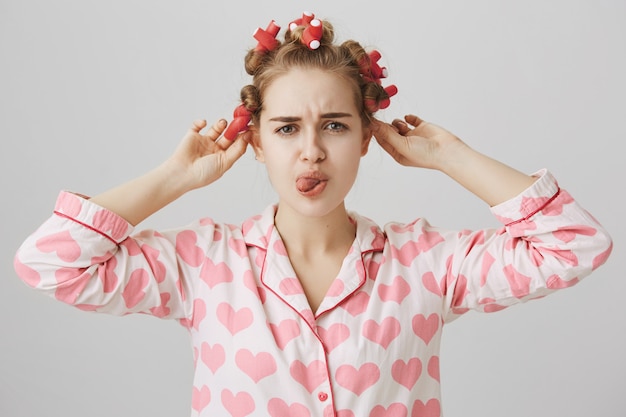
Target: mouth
311, 184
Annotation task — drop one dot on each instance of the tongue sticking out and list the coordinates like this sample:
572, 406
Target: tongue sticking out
306, 184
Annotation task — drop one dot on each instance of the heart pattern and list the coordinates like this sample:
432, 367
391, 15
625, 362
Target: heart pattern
357, 380
234, 320
309, 376
406, 373
256, 366
383, 333
238, 405
373, 348
212, 356
425, 328
200, 398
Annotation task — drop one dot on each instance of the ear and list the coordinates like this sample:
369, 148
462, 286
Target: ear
255, 142
367, 137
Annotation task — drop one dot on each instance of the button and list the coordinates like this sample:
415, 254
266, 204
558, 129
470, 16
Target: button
322, 396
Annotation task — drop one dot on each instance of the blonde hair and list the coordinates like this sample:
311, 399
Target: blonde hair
345, 59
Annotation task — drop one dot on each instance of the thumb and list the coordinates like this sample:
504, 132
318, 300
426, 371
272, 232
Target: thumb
384, 132
236, 150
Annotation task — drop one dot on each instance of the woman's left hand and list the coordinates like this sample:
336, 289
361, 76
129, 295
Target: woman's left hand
414, 142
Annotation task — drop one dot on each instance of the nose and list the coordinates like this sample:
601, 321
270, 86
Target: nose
312, 148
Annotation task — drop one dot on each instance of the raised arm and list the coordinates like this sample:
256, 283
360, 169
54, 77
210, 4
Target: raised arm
197, 161
414, 142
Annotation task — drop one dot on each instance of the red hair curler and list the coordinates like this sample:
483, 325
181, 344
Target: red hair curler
267, 37
306, 18
313, 34
241, 119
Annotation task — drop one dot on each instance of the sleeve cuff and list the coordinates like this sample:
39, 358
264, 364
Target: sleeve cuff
81, 210
530, 201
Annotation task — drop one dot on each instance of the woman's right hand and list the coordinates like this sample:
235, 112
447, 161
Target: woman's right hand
198, 160
202, 158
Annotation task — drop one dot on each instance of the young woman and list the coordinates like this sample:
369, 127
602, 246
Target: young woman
309, 309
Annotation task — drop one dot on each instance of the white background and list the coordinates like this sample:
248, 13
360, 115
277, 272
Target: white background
95, 93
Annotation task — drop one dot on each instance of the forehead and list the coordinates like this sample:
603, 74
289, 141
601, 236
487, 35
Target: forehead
309, 91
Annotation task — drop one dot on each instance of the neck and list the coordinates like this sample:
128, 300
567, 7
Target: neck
310, 236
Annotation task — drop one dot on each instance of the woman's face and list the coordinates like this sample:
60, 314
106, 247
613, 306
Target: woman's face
311, 140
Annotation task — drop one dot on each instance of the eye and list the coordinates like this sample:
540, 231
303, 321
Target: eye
286, 130
336, 127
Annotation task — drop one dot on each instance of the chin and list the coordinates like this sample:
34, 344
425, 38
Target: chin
313, 207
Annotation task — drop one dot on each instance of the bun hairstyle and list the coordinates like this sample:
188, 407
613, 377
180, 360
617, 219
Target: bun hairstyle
309, 43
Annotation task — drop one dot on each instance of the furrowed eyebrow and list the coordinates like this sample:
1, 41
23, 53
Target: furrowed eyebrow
291, 119
285, 119
335, 115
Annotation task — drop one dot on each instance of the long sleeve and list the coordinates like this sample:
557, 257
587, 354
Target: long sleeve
83, 255
547, 242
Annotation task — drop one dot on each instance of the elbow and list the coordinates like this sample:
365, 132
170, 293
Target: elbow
26, 272
603, 250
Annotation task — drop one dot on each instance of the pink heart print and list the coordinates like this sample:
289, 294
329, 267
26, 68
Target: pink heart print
162, 310
336, 288
256, 366
238, 246
488, 261
383, 333
187, 249
431, 408
519, 283
199, 312
433, 367
62, 243
279, 408
406, 373
29, 275
394, 410
311, 376
158, 268
234, 320
200, 398
214, 274
279, 248
109, 277
250, 283
285, 331
134, 291
357, 380
396, 292
238, 405
357, 304
407, 253
431, 284
460, 290
556, 282
212, 356
69, 288
425, 328
332, 337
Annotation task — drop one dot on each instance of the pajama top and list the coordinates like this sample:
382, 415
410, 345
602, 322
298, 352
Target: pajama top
371, 348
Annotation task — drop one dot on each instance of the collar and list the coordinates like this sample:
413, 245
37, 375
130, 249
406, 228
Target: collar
257, 231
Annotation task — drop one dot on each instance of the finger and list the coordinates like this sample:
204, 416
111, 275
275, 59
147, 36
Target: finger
216, 129
401, 126
413, 120
382, 130
386, 135
235, 150
388, 147
198, 125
